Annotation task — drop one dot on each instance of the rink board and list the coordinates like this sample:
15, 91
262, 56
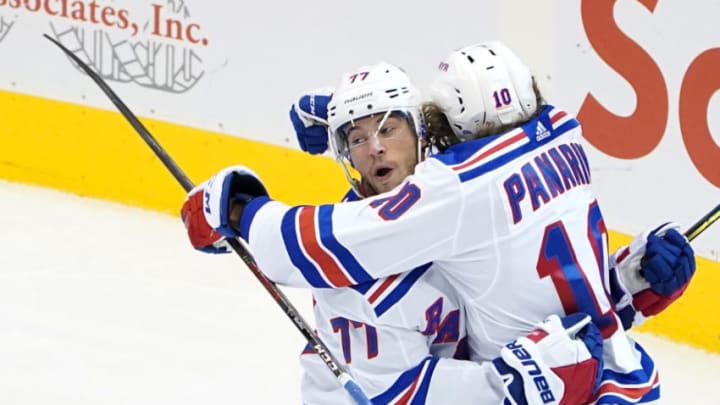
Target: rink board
95, 153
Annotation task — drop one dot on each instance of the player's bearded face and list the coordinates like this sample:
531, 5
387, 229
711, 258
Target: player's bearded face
383, 149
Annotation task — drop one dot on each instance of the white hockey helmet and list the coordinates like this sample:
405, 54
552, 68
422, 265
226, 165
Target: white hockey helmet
483, 86
369, 90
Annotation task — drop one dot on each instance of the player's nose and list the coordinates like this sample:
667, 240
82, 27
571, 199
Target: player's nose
376, 147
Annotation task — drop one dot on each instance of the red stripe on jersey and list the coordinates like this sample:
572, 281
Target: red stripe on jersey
623, 254
515, 138
404, 400
384, 286
557, 117
637, 392
308, 237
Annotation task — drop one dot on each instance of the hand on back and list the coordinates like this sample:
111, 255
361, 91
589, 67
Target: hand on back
309, 119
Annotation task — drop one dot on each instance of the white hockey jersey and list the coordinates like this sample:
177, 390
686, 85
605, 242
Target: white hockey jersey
403, 340
510, 220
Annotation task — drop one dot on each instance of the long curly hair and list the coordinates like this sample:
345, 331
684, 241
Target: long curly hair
438, 133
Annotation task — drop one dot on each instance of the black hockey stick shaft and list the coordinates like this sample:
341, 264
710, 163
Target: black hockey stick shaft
330, 361
704, 222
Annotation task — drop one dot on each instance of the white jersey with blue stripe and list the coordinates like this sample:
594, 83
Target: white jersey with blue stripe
510, 220
403, 340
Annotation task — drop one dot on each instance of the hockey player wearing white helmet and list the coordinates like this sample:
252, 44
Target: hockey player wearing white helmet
514, 228
485, 89
403, 337
376, 126
412, 325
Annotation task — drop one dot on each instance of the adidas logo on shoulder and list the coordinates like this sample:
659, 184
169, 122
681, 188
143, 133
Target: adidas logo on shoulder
541, 132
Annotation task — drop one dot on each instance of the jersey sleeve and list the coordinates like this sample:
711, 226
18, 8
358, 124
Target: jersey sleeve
433, 381
622, 299
337, 245
395, 360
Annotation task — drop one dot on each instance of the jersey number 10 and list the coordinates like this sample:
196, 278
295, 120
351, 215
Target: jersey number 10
558, 261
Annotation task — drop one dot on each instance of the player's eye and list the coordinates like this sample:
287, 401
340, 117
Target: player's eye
387, 131
356, 140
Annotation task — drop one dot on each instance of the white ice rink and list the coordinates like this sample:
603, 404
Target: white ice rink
106, 304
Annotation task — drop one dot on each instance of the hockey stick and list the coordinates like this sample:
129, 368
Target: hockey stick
704, 222
237, 245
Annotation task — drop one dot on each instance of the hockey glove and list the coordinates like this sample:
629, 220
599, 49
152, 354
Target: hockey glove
650, 273
232, 187
201, 235
309, 118
560, 362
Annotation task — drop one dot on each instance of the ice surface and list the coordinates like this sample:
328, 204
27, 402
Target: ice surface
106, 304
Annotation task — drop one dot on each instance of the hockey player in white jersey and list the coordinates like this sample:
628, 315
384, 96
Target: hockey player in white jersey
515, 226
309, 120
403, 337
